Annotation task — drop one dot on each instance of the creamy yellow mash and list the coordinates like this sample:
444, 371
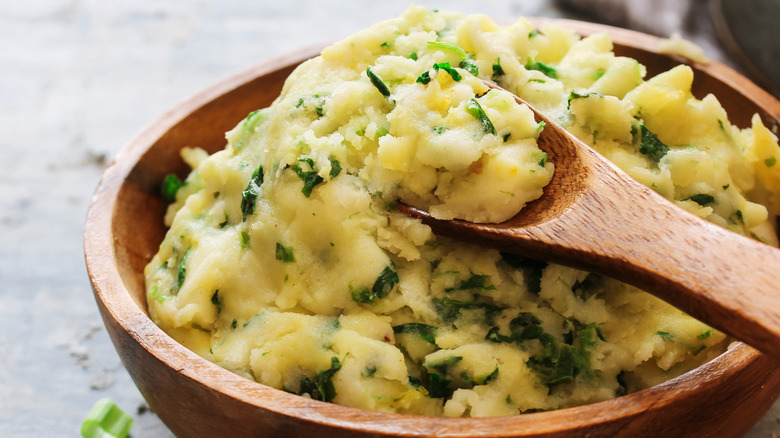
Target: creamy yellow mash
287, 262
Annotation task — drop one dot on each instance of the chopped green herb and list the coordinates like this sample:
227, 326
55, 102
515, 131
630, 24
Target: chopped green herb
369, 371
705, 334
424, 78
234, 324
446, 67
443, 45
587, 287
524, 327
547, 70
384, 283
739, 216
474, 282
702, 199
381, 132
498, 71
533, 33
316, 100
439, 129
475, 109
155, 293
665, 335
181, 272
225, 222
444, 365
245, 244
470, 66
726, 187
542, 157
385, 45
335, 167
377, 82
539, 80
215, 301
284, 253
170, 185
412, 56
309, 177
598, 73
506, 136
449, 310
528, 332
318, 107
699, 349
532, 270
249, 116
387, 279
106, 420
439, 387
414, 382
558, 363
248, 128
651, 146
481, 380
771, 161
574, 94
425, 332
321, 387
251, 192
622, 386
589, 337
524, 319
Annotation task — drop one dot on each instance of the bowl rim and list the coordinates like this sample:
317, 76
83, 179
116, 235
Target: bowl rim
116, 303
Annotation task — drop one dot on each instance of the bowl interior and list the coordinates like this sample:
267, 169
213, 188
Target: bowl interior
130, 192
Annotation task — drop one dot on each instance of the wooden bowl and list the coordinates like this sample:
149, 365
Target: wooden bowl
197, 398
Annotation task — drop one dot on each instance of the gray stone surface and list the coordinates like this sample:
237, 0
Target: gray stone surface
77, 79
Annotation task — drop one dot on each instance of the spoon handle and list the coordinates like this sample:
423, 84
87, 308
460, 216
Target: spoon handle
625, 230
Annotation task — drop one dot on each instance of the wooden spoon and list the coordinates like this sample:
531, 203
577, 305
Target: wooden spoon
595, 217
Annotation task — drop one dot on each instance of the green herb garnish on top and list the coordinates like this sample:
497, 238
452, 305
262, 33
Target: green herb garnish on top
498, 71
251, 192
309, 177
547, 70
320, 387
650, 146
377, 82
475, 109
384, 283
170, 185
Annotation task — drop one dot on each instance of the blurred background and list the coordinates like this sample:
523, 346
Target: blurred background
78, 78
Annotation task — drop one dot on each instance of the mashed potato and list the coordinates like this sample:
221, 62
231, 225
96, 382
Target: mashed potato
287, 262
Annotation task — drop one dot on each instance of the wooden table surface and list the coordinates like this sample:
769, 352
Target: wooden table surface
78, 78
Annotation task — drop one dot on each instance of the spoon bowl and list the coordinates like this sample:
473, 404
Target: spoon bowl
593, 216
